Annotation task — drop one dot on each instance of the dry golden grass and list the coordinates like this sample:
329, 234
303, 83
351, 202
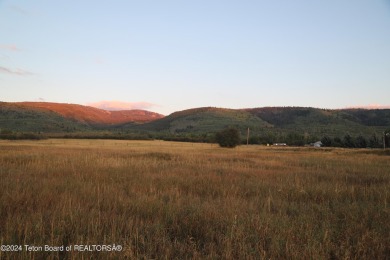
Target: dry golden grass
166, 200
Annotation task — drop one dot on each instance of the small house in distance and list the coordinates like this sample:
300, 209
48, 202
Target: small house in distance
317, 144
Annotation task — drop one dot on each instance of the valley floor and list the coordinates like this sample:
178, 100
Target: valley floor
153, 199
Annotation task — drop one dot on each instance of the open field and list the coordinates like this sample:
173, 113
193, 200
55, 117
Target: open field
166, 200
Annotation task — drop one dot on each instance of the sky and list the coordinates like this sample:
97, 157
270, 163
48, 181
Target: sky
166, 56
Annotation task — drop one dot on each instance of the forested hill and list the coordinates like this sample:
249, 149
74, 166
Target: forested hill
59, 117
205, 120
285, 116
311, 121
325, 121
265, 124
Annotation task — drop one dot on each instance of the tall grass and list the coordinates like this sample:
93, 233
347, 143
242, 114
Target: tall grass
166, 200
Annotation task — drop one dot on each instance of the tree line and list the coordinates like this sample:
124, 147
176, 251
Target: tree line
346, 141
229, 137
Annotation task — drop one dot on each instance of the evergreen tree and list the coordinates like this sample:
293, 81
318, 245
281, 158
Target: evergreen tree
348, 141
337, 142
228, 138
386, 137
361, 142
374, 142
326, 141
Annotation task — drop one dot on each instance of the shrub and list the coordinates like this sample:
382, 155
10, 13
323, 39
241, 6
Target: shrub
348, 141
228, 138
361, 142
326, 141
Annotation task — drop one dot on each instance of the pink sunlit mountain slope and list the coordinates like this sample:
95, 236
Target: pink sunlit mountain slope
93, 115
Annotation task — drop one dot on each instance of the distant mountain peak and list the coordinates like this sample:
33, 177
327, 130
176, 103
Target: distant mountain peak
93, 115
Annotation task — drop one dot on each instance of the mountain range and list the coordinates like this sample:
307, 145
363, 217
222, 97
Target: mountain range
60, 117
71, 118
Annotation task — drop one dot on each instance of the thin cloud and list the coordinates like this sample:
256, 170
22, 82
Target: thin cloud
99, 61
19, 10
18, 72
121, 105
9, 47
4, 57
370, 106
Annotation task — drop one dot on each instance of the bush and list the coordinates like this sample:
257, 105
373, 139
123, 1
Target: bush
326, 141
348, 141
21, 136
387, 138
228, 138
361, 142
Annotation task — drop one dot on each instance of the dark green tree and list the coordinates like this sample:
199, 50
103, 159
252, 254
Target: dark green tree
374, 142
295, 139
229, 137
337, 142
326, 141
254, 140
361, 142
5, 132
348, 141
386, 138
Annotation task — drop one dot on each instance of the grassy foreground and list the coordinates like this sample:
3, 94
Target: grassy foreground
166, 200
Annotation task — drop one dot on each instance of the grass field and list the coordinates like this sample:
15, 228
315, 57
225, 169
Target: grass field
166, 200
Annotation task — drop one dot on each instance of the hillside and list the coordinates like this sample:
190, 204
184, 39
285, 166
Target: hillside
267, 124
19, 118
272, 121
205, 120
325, 121
93, 115
58, 117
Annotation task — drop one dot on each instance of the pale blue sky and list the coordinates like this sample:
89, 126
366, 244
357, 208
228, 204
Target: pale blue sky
184, 54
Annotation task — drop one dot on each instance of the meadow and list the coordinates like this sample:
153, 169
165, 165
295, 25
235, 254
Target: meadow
169, 200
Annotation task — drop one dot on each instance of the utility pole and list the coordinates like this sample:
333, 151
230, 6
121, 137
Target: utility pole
247, 137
